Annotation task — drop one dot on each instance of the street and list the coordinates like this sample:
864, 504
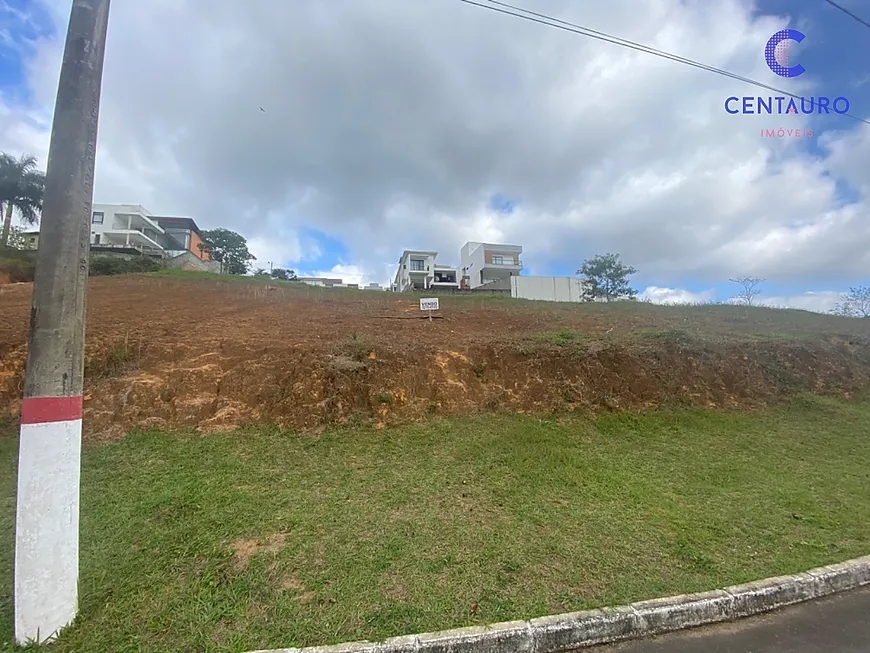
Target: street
840, 623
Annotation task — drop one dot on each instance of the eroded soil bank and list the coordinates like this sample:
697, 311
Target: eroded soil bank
166, 352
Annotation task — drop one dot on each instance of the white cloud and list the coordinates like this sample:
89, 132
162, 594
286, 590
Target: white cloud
658, 295
819, 302
388, 124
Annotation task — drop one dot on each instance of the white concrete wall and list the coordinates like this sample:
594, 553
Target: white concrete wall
551, 289
471, 262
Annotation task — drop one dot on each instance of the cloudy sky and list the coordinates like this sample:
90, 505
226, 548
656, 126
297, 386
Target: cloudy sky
421, 124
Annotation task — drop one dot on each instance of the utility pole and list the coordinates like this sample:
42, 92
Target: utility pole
49, 459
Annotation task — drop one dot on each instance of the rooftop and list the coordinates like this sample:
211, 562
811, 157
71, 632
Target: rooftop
178, 223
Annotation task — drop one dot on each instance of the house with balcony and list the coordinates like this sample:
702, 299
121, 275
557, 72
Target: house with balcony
126, 229
416, 271
130, 230
488, 264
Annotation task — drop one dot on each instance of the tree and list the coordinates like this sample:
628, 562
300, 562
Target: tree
229, 249
748, 289
21, 189
855, 303
607, 278
284, 275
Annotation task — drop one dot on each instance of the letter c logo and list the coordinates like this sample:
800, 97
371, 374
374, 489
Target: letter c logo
782, 37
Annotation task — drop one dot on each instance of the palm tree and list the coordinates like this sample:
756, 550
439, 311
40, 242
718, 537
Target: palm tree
21, 187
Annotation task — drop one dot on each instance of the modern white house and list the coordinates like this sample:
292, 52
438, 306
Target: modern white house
130, 229
416, 271
489, 264
126, 226
481, 264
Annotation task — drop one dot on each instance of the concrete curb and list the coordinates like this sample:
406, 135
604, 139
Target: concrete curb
566, 632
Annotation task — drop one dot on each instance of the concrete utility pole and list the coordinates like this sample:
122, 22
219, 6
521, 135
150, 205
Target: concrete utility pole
49, 462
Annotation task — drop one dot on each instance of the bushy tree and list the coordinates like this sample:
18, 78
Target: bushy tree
229, 249
607, 278
283, 275
22, 187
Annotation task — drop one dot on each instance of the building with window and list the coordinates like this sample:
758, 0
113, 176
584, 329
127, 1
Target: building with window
126, 228
416, 271
183, 235
488, 264
482, 264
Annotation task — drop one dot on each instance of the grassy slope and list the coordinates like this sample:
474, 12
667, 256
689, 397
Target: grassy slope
260, 538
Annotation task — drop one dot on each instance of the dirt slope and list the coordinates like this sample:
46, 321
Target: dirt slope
170, 352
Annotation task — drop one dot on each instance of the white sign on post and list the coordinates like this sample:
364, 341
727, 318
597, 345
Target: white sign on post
429, 304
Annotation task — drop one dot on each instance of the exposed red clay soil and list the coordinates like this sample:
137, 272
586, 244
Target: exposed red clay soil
167, 352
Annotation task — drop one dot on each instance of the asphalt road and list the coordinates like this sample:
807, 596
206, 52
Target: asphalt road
836, 624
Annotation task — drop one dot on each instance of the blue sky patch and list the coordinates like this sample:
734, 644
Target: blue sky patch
332, 250
22, 23
501, 203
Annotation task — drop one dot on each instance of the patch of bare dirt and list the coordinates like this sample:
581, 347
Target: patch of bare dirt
212, 355
245, 549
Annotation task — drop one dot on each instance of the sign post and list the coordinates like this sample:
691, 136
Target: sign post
429, 305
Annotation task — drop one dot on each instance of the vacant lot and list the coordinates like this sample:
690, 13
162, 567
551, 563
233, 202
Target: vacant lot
168, 352
263, 538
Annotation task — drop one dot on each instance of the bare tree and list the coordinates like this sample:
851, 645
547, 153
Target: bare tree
749, 288
855, 303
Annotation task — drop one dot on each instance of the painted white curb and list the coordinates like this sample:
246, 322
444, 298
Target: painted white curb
566, 632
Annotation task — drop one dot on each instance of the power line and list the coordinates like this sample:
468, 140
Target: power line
549, 21
848, 13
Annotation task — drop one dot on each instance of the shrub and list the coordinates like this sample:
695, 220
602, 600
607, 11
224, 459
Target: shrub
108, 265
17, 269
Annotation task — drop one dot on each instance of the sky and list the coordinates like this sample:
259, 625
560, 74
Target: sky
394, 124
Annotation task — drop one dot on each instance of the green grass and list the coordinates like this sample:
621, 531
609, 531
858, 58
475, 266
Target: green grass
361, 533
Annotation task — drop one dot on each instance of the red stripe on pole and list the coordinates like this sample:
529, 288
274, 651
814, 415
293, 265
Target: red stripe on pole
41, 410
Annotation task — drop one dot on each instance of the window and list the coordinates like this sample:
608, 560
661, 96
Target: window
96, 239
417, 265
498, 260
98, 217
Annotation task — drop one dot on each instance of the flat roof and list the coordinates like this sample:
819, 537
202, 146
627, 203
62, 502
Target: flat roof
417, 251
184, 223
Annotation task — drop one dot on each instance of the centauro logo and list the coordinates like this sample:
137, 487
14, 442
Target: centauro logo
776, 53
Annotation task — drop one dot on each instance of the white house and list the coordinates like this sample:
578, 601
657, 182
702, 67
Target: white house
126, 226
488, 263
416, 271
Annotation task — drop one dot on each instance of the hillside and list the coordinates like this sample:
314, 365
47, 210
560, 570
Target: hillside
189, 351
